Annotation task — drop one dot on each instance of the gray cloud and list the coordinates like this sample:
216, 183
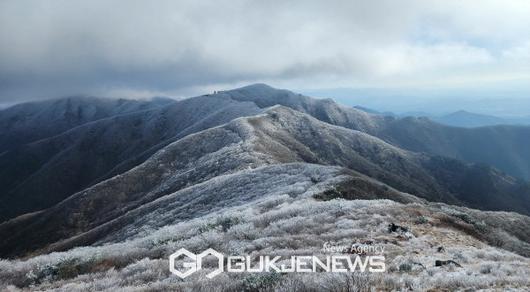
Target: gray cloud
50, 48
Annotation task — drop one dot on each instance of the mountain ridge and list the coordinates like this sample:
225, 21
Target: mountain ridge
278, 136
107, 142
41, 119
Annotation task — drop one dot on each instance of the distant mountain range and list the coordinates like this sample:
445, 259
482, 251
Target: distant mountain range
472, 120
469, 120
459, 118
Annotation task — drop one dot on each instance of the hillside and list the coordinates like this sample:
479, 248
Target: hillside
88, 154
503, 147
500, 146
32, 121
276, 223
40, 174
256, 170
165, 187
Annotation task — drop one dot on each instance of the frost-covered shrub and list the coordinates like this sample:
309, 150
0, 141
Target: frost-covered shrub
260, 282
464, 217
486, 269
421, 220
405, 267
294, 226
221, 223
481, 227
243, 231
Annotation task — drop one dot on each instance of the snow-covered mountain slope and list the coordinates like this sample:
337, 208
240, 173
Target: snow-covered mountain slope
37, 175
203, 171
504, 147
191, 160
40, 174
32, 121
325, 110
295, 223
235, 172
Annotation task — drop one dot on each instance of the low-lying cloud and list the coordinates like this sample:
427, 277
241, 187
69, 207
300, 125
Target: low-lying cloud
50, 48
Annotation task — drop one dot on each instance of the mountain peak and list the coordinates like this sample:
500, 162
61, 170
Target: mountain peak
258, 86
257, 89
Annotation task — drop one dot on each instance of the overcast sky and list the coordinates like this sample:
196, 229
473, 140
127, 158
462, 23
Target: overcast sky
181, 48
